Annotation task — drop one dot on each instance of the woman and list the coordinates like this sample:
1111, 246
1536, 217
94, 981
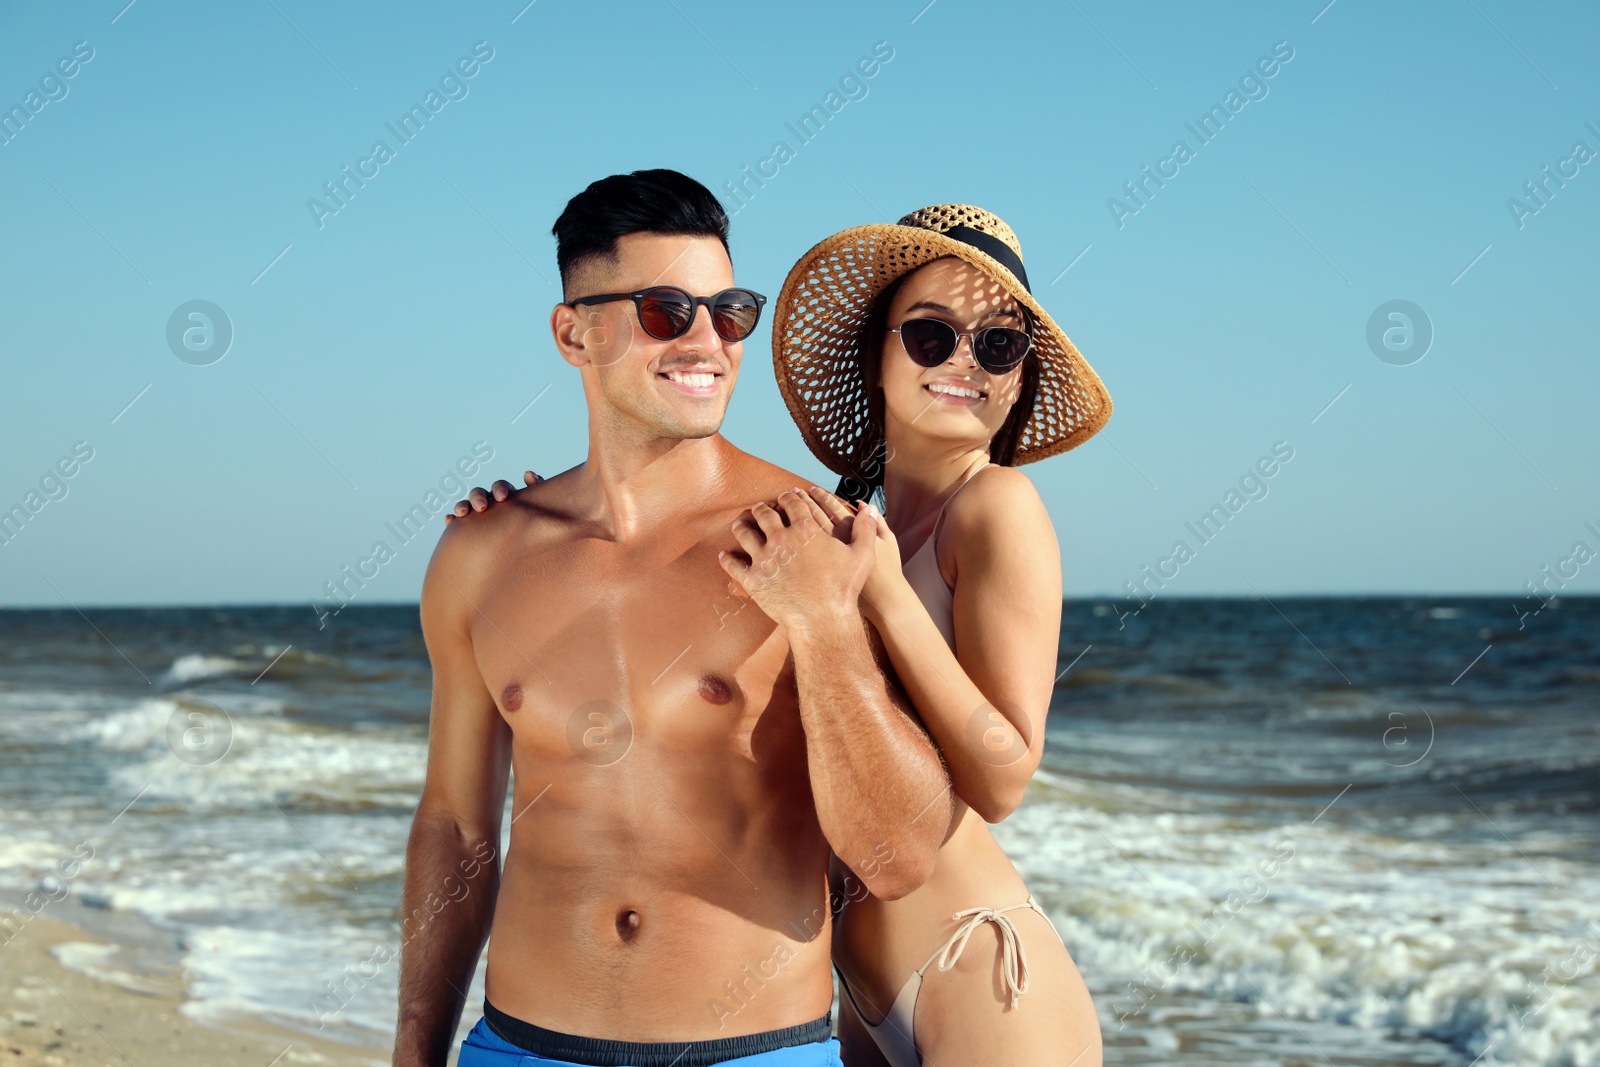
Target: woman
918, 366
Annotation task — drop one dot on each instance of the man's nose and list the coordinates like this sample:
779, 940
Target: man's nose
702, 332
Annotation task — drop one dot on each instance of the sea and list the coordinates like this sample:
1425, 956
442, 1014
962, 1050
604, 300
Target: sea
1294, 831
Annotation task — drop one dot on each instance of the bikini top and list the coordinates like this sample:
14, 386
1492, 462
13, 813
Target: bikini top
922, 571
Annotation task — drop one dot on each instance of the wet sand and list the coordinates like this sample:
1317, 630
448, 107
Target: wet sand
52, 1015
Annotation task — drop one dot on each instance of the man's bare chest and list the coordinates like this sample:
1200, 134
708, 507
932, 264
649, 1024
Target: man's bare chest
588, 643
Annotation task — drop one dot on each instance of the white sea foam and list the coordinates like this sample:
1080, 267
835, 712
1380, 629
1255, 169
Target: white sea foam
42, 715
142, 725
195, 666
240, 751
246, 863
273, 763
339, 981
268, 653
1378, 933
29, 858
99, 961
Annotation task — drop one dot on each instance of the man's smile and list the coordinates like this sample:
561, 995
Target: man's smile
700, 381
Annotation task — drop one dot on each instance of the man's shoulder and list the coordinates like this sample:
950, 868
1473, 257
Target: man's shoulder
766, 480
521, 521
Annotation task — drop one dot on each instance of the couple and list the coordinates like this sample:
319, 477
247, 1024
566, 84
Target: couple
744, 742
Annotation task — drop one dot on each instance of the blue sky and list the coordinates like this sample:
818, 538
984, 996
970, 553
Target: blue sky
374, 351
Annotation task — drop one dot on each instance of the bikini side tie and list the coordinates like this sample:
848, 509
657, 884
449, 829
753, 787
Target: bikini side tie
1013, 958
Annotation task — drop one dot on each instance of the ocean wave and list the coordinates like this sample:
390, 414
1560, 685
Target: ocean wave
245, 866
194, 667
1179, 684
28, 853
140, 726
98, 961
43, 715
150, 722
245, 660
339, 980
1385, 934
268, 765
283, 654
205, 755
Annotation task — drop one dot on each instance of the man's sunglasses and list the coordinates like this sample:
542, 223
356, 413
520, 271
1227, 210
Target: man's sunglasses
666, 312
930, 342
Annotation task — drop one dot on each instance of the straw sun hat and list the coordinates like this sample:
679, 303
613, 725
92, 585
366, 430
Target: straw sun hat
830, 291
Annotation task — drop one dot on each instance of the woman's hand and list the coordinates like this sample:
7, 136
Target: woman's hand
798, 565
887, 580
483, 499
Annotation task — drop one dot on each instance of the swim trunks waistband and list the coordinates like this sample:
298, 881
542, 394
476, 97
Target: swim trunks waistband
600, 1052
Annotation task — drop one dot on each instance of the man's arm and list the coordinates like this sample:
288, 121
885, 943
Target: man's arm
882, 795
881, 790
452, 862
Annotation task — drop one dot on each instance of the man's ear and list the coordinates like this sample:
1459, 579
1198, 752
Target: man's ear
569, 328
591, 335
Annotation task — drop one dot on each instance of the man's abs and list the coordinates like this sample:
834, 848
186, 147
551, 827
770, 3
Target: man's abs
648, 935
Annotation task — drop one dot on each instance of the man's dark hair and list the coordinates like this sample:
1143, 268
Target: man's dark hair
646, 201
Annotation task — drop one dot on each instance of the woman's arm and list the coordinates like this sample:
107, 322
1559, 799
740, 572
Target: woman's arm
985, 707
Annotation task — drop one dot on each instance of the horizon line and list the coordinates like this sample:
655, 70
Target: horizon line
1088, 599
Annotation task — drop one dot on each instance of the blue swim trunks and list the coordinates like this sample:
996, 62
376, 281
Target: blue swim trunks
488, 1045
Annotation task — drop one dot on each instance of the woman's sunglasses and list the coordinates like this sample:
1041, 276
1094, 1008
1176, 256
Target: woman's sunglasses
666, 312
930, 342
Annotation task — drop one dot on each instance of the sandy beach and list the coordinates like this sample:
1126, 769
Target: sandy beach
53, 1015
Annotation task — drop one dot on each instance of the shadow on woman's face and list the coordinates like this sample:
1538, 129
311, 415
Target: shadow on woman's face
955, 292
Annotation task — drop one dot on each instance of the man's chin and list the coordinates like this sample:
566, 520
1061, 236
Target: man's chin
699, 430
683, 426
694, 420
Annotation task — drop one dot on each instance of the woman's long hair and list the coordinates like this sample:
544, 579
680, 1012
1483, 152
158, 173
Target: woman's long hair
865, 482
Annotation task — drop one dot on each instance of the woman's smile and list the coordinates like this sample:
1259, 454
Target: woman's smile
961, 392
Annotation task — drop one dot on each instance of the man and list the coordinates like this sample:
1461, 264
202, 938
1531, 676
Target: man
686, 748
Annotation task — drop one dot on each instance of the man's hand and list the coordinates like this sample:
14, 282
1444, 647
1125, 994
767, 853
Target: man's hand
796, 570
483, 499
